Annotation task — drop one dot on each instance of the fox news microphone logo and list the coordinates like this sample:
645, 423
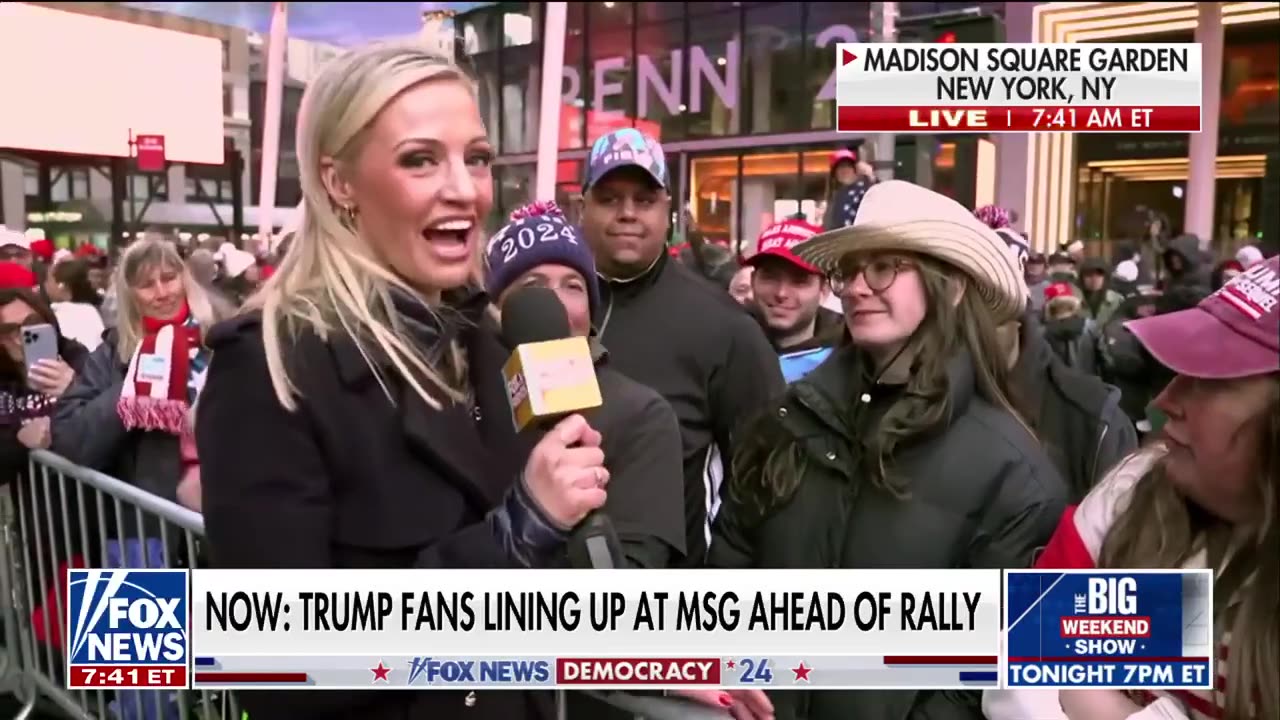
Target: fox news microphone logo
128, 628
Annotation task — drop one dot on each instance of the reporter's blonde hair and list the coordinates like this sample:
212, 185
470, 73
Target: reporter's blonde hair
330, 279
142, 257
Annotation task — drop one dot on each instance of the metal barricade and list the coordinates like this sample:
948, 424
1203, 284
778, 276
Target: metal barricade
62, 516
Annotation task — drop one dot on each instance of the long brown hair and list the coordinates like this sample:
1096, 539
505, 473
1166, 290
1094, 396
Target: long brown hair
1160, 529
769, 466
948, 329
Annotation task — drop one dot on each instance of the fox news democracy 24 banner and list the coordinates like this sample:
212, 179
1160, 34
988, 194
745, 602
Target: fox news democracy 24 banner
1018, 87
541, 628
472, 629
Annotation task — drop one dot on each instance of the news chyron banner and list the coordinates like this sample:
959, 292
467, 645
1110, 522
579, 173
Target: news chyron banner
1115, 629
1018, 87
656, 629
619, 629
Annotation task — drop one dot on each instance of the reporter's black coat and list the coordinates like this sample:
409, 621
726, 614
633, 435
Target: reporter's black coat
352, 480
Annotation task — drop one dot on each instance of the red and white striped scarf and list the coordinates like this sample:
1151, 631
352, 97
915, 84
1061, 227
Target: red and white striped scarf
155, 392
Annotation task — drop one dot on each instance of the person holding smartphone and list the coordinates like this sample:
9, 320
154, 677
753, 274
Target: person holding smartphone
37, 366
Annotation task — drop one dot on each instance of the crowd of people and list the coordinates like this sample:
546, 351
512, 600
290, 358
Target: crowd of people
907, 385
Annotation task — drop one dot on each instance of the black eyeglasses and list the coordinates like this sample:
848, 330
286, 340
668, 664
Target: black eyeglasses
879, 273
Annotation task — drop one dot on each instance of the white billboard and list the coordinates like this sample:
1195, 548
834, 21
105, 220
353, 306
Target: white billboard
79, 84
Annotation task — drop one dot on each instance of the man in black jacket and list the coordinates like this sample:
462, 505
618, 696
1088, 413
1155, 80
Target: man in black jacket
667, 328
641, 438
1077, 417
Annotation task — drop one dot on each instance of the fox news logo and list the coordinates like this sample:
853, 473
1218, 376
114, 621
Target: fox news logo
134, 618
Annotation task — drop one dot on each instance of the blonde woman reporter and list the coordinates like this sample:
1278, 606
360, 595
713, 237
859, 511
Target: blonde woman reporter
355, 416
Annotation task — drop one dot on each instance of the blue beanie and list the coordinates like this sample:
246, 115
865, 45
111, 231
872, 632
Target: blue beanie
538, 234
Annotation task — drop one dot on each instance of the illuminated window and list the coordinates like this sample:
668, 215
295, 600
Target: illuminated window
1251, 84
730, 208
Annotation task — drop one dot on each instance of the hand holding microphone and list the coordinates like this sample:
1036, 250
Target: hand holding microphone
550, 381
565, 473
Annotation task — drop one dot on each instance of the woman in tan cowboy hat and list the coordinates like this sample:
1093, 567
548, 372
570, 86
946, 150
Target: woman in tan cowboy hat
902, 450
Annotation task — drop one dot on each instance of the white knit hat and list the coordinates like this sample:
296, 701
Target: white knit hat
1248, 256
898, 215
234, 260
14, 237
1126, 271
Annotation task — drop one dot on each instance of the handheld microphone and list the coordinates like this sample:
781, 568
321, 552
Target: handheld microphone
551, 375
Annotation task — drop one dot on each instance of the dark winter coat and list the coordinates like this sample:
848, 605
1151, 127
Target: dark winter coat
355, 480
982, 495
678, 334
1077, 417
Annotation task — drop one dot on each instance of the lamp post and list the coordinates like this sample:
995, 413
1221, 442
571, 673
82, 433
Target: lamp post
884, 29
278, 38
556, 18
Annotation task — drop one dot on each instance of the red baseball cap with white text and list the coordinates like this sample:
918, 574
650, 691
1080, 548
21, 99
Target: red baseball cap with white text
778, 239
1233, 333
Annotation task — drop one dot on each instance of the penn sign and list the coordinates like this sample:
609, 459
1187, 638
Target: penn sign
701, 67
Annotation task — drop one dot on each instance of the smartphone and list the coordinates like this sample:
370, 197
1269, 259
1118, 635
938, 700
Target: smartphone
39, 342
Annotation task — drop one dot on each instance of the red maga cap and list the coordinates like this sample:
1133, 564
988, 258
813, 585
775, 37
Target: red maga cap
1057, 290
13, 275
778, 240
1233, 333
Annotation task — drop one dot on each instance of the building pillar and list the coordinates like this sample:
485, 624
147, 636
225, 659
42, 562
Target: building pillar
1012, 148
555, 19
13, 204
758, 197
761, 69
884, 29
175, 184
923, 157
1203, 146
99, 182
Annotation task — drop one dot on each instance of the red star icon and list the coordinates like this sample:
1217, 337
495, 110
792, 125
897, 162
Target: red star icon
848, 57
729, 664
802, 672
381, 672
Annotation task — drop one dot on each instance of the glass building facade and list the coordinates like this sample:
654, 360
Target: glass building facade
1120, 177
741, 94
